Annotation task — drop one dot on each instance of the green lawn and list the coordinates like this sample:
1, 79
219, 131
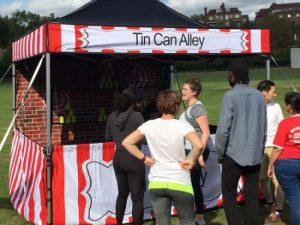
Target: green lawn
214, 86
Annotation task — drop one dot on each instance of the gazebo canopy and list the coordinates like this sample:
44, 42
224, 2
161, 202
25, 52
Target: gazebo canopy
136, 27
142, 13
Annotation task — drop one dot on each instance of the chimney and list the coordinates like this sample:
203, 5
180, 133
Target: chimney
223, 7
205, 11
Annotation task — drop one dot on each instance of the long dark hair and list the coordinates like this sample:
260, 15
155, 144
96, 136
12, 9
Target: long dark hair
293, 99
123, 101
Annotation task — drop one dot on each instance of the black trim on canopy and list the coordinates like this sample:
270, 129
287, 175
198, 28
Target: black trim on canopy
143, 13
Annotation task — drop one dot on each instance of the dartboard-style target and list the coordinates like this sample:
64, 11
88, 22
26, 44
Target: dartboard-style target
60, 100
133, 76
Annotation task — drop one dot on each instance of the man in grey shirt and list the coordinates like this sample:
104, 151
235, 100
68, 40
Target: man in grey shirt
240, 142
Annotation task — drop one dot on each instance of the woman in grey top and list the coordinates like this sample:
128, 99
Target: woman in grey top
196, 115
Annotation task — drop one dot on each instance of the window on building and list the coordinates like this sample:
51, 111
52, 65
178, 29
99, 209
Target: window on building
212, 24
236, 16
217, 17
298, 15
227, 23
226, 17
280, 16
221, 17
211, 18
289, 15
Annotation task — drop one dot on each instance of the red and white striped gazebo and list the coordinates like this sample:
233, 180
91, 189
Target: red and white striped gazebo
58, 188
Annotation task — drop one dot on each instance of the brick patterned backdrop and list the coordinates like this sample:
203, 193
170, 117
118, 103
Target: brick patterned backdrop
82, 93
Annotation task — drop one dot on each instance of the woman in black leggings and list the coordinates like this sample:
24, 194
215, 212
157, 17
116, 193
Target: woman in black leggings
129, 171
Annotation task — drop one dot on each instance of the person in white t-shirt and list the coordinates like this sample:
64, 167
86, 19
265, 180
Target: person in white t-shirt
169, 176
274, 116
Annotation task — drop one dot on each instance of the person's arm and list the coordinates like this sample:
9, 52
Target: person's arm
129, 143
224, 127
197, 149
202, 122
275, 153
139, 121
278, 142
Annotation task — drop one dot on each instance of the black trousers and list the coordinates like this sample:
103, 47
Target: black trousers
195, 178
130, 175
231, 172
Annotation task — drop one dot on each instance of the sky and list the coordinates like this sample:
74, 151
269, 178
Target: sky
186, 7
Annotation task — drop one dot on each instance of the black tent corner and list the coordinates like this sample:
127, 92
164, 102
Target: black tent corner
144, 13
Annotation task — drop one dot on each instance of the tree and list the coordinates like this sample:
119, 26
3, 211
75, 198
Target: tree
5, 31
11, 28
282, 36
196, 17
24, 21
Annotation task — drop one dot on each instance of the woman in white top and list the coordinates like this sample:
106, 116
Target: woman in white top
169, 176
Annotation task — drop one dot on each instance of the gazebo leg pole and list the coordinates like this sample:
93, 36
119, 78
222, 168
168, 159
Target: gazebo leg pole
48, 139
268, 74
172, 75
13, 75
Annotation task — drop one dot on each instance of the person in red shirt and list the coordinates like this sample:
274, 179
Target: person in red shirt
286, 155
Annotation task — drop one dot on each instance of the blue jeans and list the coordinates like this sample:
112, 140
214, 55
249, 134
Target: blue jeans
288, 175
162, 201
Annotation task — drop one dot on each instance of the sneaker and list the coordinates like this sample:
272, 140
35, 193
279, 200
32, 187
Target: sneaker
274, 217
269, 208
199, 222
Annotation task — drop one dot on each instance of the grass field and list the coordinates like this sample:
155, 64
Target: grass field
214, 86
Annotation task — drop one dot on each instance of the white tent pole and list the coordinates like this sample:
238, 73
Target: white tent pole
48, 139
268, 73
174, 72
172, 76
285, 75
18, 110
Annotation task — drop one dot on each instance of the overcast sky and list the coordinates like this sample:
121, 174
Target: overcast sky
187, 7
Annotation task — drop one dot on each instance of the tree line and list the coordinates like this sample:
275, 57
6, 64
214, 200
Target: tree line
284, 35
14, 26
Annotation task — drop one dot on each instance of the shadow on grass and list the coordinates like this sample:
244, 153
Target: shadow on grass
210, 217
5, 203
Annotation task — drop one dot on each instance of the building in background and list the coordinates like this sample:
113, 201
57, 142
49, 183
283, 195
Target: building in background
289, 11
223, 17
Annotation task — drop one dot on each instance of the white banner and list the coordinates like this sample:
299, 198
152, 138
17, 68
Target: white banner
153, 40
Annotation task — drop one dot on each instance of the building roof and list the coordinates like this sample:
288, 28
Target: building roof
262, 13
284, 7
234, 10
289, 6
218, 11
